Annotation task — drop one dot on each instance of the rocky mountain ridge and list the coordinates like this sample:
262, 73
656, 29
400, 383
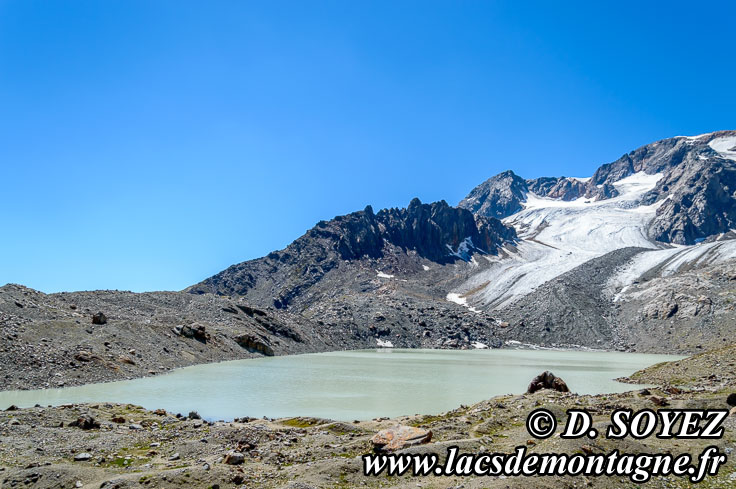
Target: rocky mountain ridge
698, 186
433, 232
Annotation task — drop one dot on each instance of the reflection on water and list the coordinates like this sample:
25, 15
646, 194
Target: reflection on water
352, 385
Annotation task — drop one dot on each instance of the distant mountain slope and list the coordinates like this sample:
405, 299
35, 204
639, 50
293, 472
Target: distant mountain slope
678, 191
698, 186
435, 232
550, 260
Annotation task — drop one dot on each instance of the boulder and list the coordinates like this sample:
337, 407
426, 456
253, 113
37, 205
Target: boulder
731, 399
126, 359
660, 310
85, 422
82, 457
392, 439
83, 356
234, 458
254, 344
547, 380
196, 331
99, 318
659, 401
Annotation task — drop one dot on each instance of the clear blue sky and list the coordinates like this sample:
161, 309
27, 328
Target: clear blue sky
147, 145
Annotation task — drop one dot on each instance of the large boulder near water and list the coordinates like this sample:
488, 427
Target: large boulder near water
547, 380
392, 439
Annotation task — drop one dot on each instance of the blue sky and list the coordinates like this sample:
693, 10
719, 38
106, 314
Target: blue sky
147, 145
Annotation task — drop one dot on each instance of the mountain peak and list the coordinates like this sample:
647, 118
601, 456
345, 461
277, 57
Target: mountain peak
699, 179
436, 232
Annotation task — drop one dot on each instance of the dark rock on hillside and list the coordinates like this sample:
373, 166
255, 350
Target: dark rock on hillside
701, 201
435, 232
99, 318
254, 344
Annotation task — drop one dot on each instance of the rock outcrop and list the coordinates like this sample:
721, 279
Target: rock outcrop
547, 380
254, 344
436, 232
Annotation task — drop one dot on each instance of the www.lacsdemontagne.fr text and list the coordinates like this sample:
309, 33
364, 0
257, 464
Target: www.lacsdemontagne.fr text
639, 468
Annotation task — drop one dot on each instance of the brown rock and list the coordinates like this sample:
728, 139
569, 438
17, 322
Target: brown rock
659, 401
86, 422
547, 380
83, 356
126, 359
254, 344
399, 437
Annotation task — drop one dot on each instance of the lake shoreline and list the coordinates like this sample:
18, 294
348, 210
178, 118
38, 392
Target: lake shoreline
134, 447
348, 382
246, 355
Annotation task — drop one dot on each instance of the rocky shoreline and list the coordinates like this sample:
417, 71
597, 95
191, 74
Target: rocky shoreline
53, 340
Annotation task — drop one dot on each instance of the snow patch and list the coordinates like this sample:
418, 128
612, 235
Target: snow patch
464, 249
479, 346
693, 138
457, 299
384, 344
725, 146
425, 267
383, 275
